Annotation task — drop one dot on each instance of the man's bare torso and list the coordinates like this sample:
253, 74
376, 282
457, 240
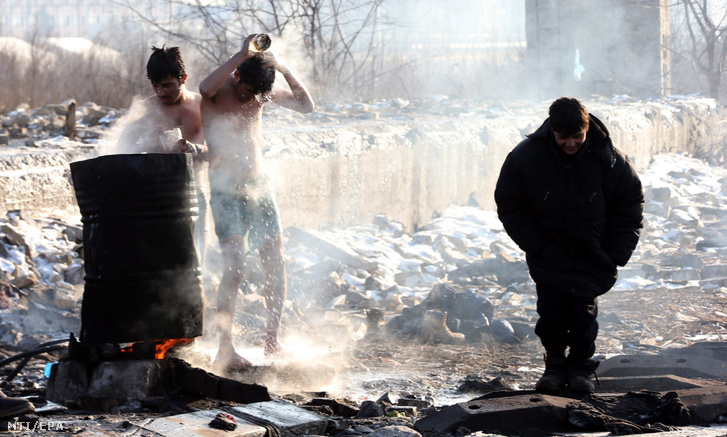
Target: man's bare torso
150, 117
233, 130
185, 115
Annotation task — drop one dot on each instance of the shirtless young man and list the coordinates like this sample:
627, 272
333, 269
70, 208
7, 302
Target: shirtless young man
241, 196
172, 106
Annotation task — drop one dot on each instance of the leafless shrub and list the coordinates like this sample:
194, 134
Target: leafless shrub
41, 72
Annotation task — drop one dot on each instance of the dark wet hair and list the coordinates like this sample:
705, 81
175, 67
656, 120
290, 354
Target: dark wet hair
568, 116
258, 76
164, 62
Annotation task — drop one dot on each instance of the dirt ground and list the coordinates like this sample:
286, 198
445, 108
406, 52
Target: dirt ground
639, 321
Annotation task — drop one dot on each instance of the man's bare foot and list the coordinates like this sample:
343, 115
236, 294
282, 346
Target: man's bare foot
272, 346
231, 362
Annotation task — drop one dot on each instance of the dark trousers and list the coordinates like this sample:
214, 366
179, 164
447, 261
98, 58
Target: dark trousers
566, 321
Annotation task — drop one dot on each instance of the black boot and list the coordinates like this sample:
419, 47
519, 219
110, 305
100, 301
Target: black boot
555, 376
579, 374
12, 407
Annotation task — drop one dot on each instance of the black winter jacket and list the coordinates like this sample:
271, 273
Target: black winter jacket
575, 217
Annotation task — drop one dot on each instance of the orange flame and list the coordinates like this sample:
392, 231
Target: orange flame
161, 347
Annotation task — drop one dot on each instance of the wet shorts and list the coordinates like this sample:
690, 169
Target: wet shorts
249, 209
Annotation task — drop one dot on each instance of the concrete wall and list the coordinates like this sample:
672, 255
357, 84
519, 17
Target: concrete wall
619, 47
344, 174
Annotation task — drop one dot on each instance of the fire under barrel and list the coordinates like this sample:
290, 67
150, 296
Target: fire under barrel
143, 280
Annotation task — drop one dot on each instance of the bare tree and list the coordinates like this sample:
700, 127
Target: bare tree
705, 46
337, 37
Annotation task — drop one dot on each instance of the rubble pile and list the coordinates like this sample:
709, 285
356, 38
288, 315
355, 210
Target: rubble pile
464, 264
41, 276
31, 126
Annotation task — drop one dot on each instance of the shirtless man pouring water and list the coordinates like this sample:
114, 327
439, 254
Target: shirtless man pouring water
241, 198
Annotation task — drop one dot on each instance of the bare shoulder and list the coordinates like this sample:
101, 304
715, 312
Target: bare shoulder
194, 97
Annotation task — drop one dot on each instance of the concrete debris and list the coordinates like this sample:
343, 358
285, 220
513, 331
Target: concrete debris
286, 418
680, 364
197, 424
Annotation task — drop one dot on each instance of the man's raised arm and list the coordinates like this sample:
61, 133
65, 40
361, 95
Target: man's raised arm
212, 83
298, 99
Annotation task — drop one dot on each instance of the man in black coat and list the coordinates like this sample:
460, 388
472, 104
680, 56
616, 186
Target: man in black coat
574, 204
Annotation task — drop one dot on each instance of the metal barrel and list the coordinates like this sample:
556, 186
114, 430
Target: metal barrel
143, 280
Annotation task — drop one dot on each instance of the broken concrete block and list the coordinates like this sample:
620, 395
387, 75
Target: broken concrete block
338, 407
686, 260
135, 379
685, 365
524, 414
236, 391
196, 424
705, 405
623, 384
676, 274
25, 281
714, 271
289, 419
394, 431
68, 381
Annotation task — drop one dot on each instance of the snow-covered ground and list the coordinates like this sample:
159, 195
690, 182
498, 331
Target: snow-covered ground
463, 234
